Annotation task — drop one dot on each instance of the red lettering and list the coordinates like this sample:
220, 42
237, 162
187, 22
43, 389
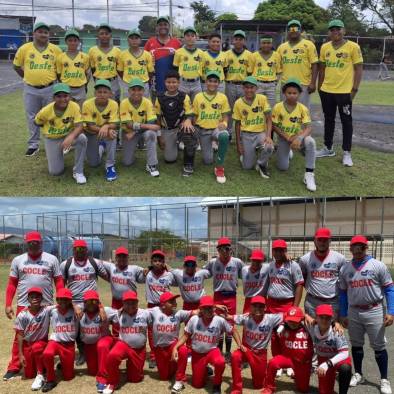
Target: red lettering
166, 328
34, 327
158, 288
278, 281
192, 287
299, 345
65, 328
323, 274
254, 336
35, 271
205, 338
224, 276
91, 330
361, 283
132, 330
119, 281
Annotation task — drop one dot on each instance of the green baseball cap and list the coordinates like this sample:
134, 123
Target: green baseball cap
292, 82
61, 88
105, 26
190, 29
134, 32
239, 33
40, 25
213, 73
294, 22
103, 82
136, 82
336, 23
162, 19
251, 80
71, 32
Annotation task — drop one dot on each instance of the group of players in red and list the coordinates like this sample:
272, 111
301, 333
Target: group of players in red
339, 295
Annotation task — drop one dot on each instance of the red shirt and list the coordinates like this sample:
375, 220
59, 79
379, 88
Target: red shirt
297, 344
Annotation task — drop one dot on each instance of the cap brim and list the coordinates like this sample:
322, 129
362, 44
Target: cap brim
294, 319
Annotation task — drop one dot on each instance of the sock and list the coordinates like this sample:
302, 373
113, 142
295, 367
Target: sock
344, 376
358, 355
223, 145
309, 169
220, 344
228, 343
381, 358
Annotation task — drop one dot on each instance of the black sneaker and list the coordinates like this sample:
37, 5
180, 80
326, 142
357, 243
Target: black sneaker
217, 389
187, 171
263, 170
209, 371
10, 375
152, 364
48, 386
80, 360
32, 152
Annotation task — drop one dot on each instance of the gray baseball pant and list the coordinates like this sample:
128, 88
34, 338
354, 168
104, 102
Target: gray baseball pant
253, 143
35, 99
115, 87
125, 89
55, 157
206, 136
190, 88
311, 303
308, 147
233, 93
79, 95
92, 151
269, 90
170, 137
130, 147
305, 97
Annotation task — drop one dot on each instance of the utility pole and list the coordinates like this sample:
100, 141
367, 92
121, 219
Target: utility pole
171, 21
73, 13
158, 8
108, 11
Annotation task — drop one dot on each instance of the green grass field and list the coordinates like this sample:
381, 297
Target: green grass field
24, 176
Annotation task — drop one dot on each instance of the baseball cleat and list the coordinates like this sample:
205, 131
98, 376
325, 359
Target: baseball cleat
263, 171
109, 389
309, 180
217, 389
38, 382
290, 372
385, 387
80, 360
325, 152
48, 386
10, 375
291, 154
153, 170
100, 387
219, 173
187, 170
152, 364
80, 179
347, 159
110, 173
32, 152
177, 387
356, 379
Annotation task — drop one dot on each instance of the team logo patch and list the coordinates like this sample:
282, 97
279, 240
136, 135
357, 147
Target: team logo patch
351, 274
197, 58
65, 65
45, 57
124, 320
129, 62
78, 64
330, 265
283, 271
257, 109
111, 59
86, 269
216, 106
342, 55
67, 120
229, 269
198, 327
107, 116
313, 266
68, 319
301, 335
173, 319
329, 342
242, 61
162, 281
211, 329
38, 318
218, 62
264, 328
270, 64
141, 113
32, 56
294, 119
97, 320
367, 273
142, 62
291, 312
99, 58
250, 325
161, 318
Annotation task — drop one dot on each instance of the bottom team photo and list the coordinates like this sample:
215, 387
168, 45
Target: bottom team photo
224, 295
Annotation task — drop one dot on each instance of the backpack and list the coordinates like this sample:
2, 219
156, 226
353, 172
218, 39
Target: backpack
172, 111
68, 264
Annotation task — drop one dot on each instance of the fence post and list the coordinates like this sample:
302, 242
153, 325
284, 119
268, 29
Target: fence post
381, 230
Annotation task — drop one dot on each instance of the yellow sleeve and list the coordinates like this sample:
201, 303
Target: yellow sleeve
275, 114
114, 118
86, 61
177, 58
59, 64
357, 56
125, 115
187, 105
266, 106
91, 58
249, 69
41, 117
237, 111
150, 112
226, 106
305, 117
322, 54
157, 107
149, 60
87, 113
278, 63
19, 58
312, 53
77, 114
120, 63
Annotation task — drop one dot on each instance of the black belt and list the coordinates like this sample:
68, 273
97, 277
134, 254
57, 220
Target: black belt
367, 306
322, 298
227, 293
266, 81
41, 86
235, 82
190, 79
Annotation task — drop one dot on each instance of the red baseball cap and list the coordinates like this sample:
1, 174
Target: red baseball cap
359, 239
158, 252
121, 250
206, 301
279, 243
323, 232
189, 258
257, 300
167, 296
91, 295
64, 293
34, 290
224, 241
257, 254
294, 314
33, 236
129, 295
80, 243
324, 309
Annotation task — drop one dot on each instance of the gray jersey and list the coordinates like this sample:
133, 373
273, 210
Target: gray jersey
155, 286
64, 326
133, 329
92, 328
225, 276
191, 287
321, 277
82, 277
166, 328
257, 335
365, 284
328, 345
123, 280
33, 327
255, 283
284, 279
35, 273
204, 338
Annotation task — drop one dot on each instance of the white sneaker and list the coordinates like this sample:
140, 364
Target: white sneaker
356, 379
80, 178
385, 387
325, 152
347, 159
290, 372
219, 173
279, 373
109, 389
291, 154
177, 387
199, 147
241, 159
39, 381
153, 170
309, 180
181, 145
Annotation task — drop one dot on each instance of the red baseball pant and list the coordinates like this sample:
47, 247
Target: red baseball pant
66, 353
33, 358
258, 365
15, 365
302, 372
199, 367
96, 357
166, 367
152, 356
135, 363
327, 382
116, 304
229, 302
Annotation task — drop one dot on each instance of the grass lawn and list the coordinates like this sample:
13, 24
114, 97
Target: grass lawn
24, 176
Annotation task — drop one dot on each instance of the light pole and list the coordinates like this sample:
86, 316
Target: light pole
73, 13
108, 11
171, 21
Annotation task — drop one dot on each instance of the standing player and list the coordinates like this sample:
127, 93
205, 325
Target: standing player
35, 62
341, 68
32, 269
225, 270
73, 67
299, 60
364, 281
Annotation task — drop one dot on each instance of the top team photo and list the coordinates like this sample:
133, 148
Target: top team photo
290, 101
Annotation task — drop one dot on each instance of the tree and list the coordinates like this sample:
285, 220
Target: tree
227, 16
383, 10
204, 17
147, 24
160, 239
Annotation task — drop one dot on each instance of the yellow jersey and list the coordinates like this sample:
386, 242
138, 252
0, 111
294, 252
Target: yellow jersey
209, 110
238, 65
210, 63
135, 66
104, 63
55, 125
188, 62
266, 69
39, 66
290, 123
99, 117
143, 113
252, 116
339, 66
297, 60
73, 70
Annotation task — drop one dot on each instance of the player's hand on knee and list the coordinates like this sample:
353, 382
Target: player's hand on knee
187, 126
9, 312
311, 88
103, 132
322, 369
174, 355
66, 144
388, 320
242, 348
296, 144
22, 360
309, 320
112, 134
338, 328
268, 141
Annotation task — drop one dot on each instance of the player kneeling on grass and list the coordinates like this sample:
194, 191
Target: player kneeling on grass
174, 112
205, 331
64, 325
253, 128
138, 118
61, 124
101, 117
296, 352
292, 122
211, 109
